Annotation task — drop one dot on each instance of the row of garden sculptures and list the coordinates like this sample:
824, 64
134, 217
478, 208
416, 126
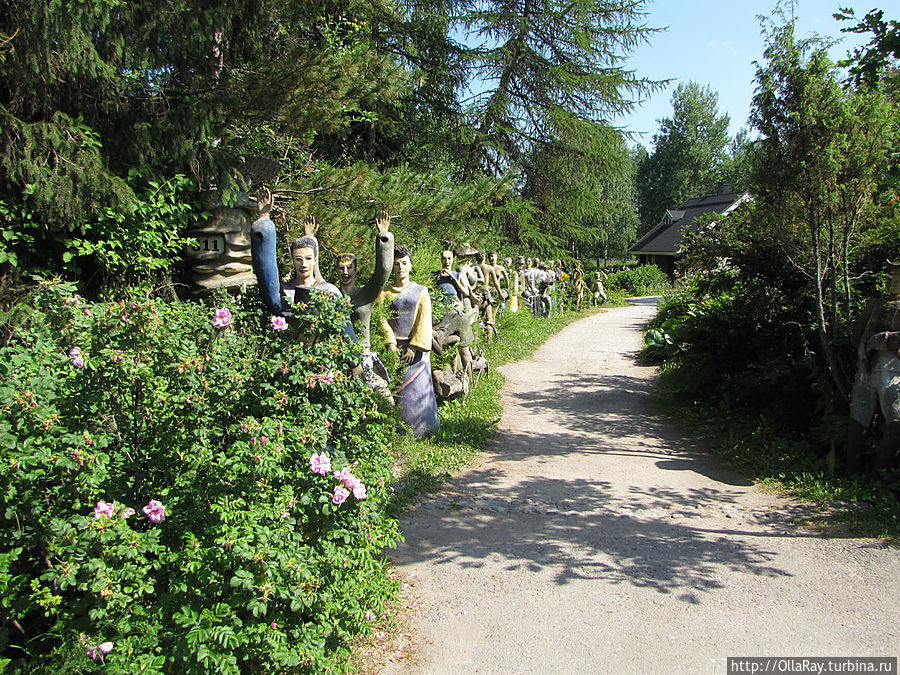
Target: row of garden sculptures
238, 246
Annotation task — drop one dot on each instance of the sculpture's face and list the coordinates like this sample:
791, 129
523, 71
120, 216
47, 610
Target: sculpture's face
402, 267
346, 271
304, 264
447, 259
493, 258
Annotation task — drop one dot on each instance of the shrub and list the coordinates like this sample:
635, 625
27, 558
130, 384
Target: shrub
167, 502
643, 280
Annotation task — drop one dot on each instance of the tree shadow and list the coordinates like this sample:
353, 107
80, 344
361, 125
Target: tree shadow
607, 414
580, 530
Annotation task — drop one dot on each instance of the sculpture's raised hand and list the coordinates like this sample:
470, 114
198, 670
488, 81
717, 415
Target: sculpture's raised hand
409, 356
310, 226
382, 221
264, 202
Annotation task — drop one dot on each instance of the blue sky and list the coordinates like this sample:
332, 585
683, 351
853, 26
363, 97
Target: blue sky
715, 43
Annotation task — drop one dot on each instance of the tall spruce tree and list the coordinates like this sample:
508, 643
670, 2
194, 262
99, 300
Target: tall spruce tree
540, 65
687, 153
581, 191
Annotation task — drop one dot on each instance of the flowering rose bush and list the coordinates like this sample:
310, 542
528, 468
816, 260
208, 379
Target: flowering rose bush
181, 499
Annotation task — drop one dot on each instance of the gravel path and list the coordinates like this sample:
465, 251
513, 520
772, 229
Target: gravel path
594, 538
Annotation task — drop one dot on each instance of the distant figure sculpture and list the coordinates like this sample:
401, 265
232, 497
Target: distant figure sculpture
470, 278
491, 292
877, 332
578, 284
515, 290
533, 279
408, 332
546, 287
502, 276
598, 294
447, 281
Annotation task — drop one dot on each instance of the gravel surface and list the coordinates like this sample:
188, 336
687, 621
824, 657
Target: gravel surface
594, 538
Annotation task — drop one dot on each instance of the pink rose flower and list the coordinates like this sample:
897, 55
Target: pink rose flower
75, 351
127, 513
348, 479
104, 509
359, 491
370, 615
222, 318
155, 511
117, 356
279, 323
78, 362
320, 464
98, 652
340, 495
263, 440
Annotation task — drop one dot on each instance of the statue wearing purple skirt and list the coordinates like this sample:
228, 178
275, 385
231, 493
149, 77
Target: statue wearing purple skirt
408, 332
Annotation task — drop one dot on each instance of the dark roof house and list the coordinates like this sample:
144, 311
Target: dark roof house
661, 244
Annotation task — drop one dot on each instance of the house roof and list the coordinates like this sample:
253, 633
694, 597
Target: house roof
666, 237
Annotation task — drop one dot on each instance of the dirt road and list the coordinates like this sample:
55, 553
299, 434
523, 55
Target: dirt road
596, 539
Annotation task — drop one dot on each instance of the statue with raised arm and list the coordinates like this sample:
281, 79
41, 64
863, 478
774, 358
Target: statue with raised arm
409, 332
281, 296
598, 294
365, 297
278, 295
877, 334
305, 256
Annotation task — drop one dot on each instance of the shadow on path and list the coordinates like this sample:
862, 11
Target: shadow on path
578, 530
